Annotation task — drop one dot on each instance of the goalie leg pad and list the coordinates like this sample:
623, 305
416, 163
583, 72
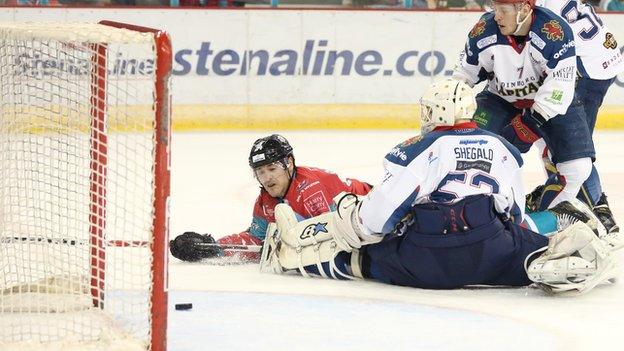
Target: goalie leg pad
342, 226
575, 260
308, 232
311, 242
320, 259
269, 262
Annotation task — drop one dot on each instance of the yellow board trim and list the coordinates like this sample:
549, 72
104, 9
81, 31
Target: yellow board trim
75, 118
244, 117
610, 117
289, 117
330, 116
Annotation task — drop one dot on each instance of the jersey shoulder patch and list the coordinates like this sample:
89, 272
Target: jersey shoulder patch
550, 33
484, 33
405, 152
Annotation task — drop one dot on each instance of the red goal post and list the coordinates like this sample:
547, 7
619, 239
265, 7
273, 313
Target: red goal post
161, 173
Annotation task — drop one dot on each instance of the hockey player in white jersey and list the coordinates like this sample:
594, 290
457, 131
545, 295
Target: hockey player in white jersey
598, 60
527, 56
598, 55
445, 215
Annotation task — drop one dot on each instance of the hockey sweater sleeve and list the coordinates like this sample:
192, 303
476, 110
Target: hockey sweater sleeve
242, 238
391, 200
470, 68
559, 66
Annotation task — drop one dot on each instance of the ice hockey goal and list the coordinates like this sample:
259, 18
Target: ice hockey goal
84, 184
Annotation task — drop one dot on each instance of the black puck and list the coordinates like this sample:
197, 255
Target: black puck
183, 306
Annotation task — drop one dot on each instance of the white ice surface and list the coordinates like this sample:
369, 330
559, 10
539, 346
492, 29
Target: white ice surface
237, 308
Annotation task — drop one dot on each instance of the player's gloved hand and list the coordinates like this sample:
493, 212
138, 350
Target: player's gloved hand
523, 104
192, 247
524, 130
242, 238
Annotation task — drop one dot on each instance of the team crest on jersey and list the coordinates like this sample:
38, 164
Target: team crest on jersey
553, 30
410, 141
478, 29
610, 42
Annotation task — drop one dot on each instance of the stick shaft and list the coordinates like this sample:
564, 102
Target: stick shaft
248, 248
121, 243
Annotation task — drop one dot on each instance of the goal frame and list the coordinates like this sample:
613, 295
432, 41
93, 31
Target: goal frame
87, 166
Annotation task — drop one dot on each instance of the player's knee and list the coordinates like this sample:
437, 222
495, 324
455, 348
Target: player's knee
575, 171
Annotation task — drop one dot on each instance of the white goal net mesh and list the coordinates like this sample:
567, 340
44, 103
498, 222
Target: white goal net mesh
77, 146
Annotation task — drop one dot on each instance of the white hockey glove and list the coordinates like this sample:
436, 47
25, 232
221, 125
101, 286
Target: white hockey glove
575, 260
350, 233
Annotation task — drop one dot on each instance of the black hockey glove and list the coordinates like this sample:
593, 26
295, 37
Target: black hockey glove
192, 247
524, 130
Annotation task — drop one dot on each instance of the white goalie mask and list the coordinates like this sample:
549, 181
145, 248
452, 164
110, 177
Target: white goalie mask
446, 102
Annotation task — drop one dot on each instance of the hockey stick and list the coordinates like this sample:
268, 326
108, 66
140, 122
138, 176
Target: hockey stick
122, 243
242, 248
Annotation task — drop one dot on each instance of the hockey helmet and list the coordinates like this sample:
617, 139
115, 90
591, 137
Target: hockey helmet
268, 150
446, 102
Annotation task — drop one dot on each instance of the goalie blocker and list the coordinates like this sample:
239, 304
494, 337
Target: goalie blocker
485, 251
